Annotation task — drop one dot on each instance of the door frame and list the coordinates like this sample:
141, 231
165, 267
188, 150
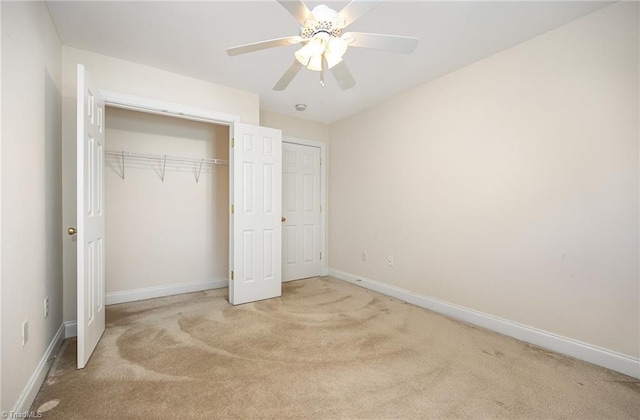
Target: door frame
171, 109
323, 193
153, 106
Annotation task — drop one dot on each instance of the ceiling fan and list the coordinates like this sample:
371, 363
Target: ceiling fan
324, 41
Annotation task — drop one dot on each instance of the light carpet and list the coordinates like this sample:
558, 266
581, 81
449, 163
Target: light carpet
325, 350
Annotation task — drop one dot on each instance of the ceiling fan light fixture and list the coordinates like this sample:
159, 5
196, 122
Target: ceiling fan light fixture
311, 54
319, 42
303, 55
315, 63
336, 48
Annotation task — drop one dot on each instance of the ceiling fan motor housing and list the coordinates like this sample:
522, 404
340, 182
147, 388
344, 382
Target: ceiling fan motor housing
324, 22
307, 32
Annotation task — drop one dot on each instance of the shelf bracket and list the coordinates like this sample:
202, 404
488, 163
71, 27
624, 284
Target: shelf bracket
123, 165
164, 166
199, 170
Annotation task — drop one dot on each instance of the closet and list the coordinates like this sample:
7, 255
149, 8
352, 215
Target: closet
166, 205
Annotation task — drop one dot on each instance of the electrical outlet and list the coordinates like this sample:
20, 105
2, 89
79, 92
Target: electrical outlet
390, 261
46, 307
25, 331
365, 256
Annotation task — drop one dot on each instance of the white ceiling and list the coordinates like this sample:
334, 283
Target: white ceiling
190, 38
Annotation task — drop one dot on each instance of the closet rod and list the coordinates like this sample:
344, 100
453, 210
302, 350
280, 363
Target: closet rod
166, 158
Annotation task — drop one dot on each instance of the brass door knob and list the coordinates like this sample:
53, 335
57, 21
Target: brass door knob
284, 219
72, 231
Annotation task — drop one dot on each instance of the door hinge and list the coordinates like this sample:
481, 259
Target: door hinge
320, 161
231, 274
321, 255
233, 142
232, 209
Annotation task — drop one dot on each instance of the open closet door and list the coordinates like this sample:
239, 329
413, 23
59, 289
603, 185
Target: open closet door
90, 230
256, 211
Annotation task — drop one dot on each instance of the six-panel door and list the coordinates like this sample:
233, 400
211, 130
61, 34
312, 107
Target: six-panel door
301, 250
90, 207
256, 182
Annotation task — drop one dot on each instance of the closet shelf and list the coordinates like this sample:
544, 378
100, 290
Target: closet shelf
196, 162
168, 158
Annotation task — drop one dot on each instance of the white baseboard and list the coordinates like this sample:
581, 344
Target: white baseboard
70, 329
583, 351
162, 291
36, 380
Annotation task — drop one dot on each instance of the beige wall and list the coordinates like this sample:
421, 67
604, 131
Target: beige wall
31, 190
509, 187
133, 79
167, 232
295, 127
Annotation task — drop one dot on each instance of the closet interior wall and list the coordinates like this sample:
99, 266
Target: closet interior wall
167, 222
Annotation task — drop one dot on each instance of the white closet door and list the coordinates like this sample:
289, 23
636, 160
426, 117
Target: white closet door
301, 210
256, 231
90, 196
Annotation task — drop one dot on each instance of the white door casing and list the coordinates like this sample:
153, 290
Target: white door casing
301, 231
255, 255
90, 207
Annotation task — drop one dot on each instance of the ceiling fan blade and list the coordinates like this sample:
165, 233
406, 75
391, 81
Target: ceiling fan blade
356, 9
394, 43
343, 76
262, 45
297, 9
288, 76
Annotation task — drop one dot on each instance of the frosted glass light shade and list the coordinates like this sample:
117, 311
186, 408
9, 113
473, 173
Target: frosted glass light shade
303, 55
322, 47
315, 63
336, 47
314, 48
332, 60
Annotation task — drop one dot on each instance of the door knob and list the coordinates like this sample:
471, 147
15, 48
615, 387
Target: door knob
72, 231
284, 219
